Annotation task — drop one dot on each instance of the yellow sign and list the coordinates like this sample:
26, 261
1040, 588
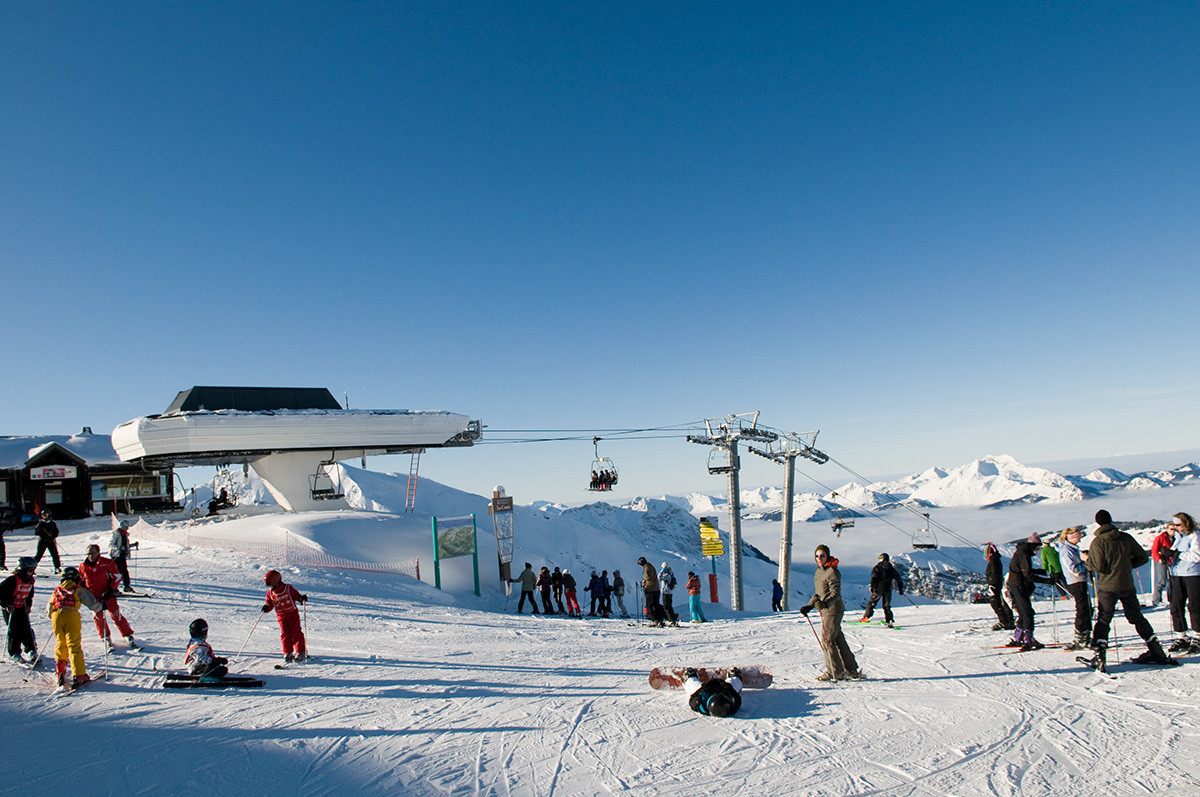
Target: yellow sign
710, 539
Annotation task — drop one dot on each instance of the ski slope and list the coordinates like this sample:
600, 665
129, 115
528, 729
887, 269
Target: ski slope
420, 692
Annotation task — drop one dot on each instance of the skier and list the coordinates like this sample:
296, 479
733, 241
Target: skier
200, 659
667, 582
995, 581
63, 611
596, 588
1162, 568
650, 586
101, 577
1022, 580
1112, 556
882, 576
528, 580
118, 550
1053, 568
283, 599
693, 591
827, 597
618, 589
1076, 575
16, 596
568, 582
556, 581
717, 697
1185, 583
776, 595
606, 591
47, 534
543, 585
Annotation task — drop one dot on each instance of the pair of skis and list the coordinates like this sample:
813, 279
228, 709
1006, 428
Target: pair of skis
177, 680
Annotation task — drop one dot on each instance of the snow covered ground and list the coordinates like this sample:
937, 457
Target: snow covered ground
416, 691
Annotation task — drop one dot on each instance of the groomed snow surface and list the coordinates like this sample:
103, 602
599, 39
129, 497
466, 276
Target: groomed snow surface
420, 692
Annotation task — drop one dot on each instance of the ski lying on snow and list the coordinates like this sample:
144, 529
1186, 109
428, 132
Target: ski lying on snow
229, 682
871, 624
673, 677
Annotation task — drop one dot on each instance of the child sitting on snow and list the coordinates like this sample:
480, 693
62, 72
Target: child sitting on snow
200, 659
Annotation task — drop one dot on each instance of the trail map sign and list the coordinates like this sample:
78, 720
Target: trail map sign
453, 537
712, 546
501, 510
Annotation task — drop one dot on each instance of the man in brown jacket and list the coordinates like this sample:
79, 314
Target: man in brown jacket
827, 597
654, 610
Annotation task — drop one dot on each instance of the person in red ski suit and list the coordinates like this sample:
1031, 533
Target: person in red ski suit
283, 599
101, 578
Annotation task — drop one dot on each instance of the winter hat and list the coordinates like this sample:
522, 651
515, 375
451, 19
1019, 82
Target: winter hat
885, 557
1034, 539
1103, 518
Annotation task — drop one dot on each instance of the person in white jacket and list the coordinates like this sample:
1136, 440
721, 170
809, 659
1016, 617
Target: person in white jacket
1076, 575
1185, 583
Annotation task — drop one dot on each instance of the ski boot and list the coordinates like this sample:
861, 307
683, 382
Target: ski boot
866, 618
289, 658
1181, 645
108, 645
80, 680
735, 673
690, 672
1099, 662
60, 672
1154, 654
132, 645
1018, 639
1028, 643
825, 676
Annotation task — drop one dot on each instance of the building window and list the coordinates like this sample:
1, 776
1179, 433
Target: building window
4, 491
138, 485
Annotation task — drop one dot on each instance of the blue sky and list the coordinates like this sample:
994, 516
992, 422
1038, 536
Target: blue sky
932, 232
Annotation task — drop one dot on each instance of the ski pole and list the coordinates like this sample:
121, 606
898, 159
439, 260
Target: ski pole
1054, 613
820, 641
247, 639
33, 667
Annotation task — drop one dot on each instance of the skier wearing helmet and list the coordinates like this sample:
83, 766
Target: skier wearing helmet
63, 611
16, 595
200, 659
283, 599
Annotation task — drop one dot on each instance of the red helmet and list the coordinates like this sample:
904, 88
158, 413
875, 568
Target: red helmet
271, 577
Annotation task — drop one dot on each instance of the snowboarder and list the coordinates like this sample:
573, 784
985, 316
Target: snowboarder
118, 550
16, 596
556, 581
283, 599
101, 578
1185, 583
667, 582
882, 576
1076, 575
569, 585
200, 659
995, 581
1112, 556
827, 597
650, 586
693, 591
1022, 580
717, 697
47, 534
543, 584
527, 580
776, 595
63, 611
618, 589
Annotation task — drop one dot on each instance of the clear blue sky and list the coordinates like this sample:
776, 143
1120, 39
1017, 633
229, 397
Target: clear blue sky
932, 232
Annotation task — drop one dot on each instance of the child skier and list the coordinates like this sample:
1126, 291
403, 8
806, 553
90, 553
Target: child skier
283, 599
63, 611
101, 578
200, 659
16, 596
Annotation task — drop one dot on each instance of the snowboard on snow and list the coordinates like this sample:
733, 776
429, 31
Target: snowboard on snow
186, 681
673, 677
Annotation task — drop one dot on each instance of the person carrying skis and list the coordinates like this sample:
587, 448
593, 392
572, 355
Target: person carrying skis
1112, 556
63, 611
118, 550
46, 531
776, 595
994, 574
650, 587
101, 578
200, 659
16, 596
882, 576
667, 582
1162, 568
1076, 575
827, 598
543, 585
693, 591
527, 580
568, 582
1185, 583
618, 588
716, 697
556, 581
283, 599
1022, 581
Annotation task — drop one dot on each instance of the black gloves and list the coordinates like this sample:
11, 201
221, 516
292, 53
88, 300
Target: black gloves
806, 608
266, 607
304, 599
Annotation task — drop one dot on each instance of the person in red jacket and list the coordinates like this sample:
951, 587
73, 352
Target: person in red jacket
693, 591
1162, 572
283, 599
101, 578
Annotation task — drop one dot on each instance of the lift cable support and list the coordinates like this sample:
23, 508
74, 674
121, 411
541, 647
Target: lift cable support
723, 434
784, 450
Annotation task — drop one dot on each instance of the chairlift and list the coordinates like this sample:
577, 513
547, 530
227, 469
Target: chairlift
841, 519
604, 471
324, 487
924, 539
224, 492
718, 461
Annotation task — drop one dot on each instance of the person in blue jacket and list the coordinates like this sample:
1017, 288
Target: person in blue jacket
776, 595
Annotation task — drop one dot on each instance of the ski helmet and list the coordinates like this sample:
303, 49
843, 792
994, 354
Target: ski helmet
719, 705
27, 563
198, 629
70, 574
271, 577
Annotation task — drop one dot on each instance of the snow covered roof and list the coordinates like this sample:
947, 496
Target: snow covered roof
94, 449
253, 399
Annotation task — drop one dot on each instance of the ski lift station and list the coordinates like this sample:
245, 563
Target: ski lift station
292, 437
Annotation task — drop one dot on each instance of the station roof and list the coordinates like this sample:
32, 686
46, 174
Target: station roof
253, 399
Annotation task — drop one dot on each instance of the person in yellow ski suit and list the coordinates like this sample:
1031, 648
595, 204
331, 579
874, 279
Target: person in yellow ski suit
63, 611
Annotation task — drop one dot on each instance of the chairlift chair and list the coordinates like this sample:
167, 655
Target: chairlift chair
322, 486
841, 519
604, 471
924, 539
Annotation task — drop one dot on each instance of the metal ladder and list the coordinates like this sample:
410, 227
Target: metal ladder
410, 500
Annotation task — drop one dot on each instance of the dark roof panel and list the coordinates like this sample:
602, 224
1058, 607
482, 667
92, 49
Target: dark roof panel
253, 399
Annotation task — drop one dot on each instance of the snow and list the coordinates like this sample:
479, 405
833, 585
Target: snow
425, 692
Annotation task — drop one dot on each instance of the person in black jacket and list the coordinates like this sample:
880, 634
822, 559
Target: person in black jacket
16, 596
715, 697
995, 581
882, 576
1022, 578
47, 532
